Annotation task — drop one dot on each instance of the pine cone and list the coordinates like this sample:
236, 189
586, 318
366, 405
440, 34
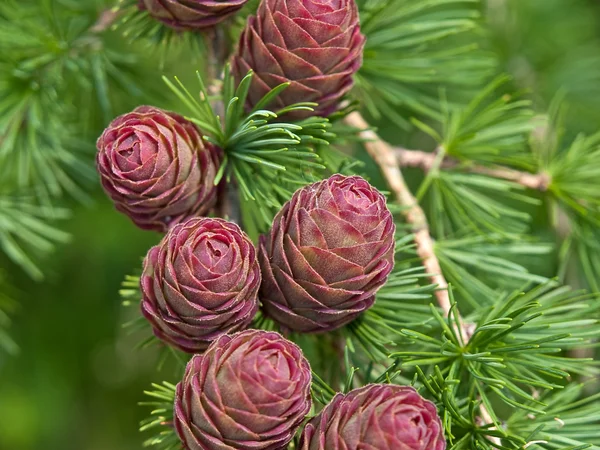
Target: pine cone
249, 391
156, 168
191, 14
200, 282
314, 44
382, 417
330, 249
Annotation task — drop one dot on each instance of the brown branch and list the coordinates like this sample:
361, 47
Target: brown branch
383, 154
105, 20
385, 157
424, 161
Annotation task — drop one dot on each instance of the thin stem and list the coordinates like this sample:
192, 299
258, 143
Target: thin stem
217, 53
428, 162
105, 20
383, 154
228, 204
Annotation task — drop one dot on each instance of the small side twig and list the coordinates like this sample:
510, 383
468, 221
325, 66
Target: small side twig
385, 157
105, 20
425, 161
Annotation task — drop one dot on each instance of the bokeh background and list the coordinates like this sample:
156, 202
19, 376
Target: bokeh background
77, 379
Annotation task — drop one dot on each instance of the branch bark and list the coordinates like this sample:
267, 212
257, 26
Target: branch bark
425, 160
105, 20
383, 154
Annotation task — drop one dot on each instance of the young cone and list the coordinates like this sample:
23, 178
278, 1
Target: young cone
378, 416
200, 282
249, 391
156, 168
330, 249
314, 44
191, 14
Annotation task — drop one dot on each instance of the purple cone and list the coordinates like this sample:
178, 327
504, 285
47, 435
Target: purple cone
156, 168
249, 391
314, 44
200, 282
191, 14
330, 249
376, 417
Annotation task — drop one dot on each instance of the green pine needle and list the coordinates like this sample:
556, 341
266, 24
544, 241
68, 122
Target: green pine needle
25, 232
160, 421
482, 268
7, 306
265, 155
438, 42
516, 349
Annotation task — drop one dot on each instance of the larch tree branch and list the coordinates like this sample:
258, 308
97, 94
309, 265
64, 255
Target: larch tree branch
385, 156
425, 161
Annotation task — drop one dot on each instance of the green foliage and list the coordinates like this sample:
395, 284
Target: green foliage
415, 48
267, 159
570, 419
461, 203
493, 128
574, 175
481, 268
25, 232
515, 354
7, 306
489, 130
573, 172
59, 78
582, 247
161, 418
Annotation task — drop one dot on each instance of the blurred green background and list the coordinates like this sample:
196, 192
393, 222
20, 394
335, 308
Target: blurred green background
78, 378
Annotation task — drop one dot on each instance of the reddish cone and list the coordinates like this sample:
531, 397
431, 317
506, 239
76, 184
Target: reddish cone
200, 282
376, 417
314, 44
191, 14
156, 168
330, 249
249, 391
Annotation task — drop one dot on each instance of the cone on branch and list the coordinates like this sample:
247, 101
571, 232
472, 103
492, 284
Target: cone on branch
156, 168
199, 283
377, 416
331, 247
249, 391
191, 15
315, 45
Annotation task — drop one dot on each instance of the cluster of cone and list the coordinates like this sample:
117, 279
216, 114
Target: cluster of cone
330, 248
251, 391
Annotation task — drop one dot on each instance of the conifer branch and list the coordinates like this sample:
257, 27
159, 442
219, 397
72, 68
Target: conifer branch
425, 161
383, 155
